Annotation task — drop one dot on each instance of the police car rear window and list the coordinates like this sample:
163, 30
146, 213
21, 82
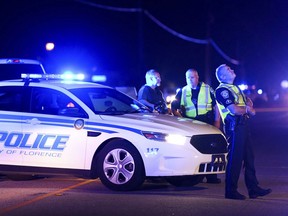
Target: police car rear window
53, 102
14, 71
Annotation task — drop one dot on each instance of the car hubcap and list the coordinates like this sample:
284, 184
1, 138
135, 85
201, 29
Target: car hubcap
119, 166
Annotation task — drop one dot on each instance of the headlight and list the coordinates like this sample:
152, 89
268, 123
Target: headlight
170, 138
176, 139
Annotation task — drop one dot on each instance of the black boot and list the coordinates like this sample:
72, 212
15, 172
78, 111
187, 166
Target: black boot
254, 193
234, 195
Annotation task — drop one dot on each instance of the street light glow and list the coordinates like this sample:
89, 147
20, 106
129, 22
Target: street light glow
284, 84
50, 46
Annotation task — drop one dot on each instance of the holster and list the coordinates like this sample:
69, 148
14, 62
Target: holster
232, 121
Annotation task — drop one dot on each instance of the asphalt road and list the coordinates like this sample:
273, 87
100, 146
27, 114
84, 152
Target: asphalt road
68, 195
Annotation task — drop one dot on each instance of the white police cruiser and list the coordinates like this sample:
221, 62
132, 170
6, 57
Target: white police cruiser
12, 68
49, 126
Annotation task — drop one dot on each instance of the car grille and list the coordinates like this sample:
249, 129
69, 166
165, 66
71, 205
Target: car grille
209, 143
217, 164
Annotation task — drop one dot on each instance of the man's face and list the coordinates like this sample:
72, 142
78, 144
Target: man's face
229, 74
156, 79
192, 78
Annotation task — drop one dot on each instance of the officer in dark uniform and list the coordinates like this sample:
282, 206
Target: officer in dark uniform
235, 109
150, 94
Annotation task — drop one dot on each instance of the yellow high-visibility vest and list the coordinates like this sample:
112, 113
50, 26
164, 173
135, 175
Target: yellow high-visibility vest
204, 101
239, 99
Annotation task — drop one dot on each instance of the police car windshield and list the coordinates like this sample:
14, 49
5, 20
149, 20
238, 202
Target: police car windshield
106, 101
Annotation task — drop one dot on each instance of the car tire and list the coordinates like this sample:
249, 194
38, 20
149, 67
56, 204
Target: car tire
120, 166
184, 181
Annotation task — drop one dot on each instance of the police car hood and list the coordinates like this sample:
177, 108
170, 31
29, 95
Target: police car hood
161, 123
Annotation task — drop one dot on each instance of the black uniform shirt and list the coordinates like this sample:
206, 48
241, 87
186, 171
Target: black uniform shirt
153, 96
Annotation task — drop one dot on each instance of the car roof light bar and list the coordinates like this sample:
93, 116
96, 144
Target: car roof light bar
53, 76
41, 76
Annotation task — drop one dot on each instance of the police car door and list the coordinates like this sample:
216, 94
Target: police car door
11, 106
55, 124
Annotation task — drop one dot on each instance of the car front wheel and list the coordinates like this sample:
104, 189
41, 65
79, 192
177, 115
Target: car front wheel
120, 166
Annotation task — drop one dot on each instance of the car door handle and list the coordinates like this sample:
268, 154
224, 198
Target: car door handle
93, 134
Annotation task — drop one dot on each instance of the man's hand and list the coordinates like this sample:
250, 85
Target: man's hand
176, 113
217, 124
250, 110
249, 102
161, 108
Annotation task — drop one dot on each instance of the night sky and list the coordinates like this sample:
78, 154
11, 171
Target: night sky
124, 45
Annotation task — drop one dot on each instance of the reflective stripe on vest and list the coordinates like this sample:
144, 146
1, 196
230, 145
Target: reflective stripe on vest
237, 94
204, 101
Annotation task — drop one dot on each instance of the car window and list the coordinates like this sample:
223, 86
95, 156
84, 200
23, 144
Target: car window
108, 101
53, 102
11, 98
14, 71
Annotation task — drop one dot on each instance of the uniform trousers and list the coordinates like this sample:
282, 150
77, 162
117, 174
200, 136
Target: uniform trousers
240, 154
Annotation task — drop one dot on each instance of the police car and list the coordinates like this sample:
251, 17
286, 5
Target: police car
12, 68
58, 126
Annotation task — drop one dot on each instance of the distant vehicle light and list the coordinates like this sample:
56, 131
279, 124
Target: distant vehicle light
98, 78
284, 84
68, 76
80, 76
14, 61
260, 91
243, 87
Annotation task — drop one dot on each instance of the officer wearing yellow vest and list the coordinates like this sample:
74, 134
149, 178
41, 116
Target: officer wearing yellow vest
196, 100
235, 109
